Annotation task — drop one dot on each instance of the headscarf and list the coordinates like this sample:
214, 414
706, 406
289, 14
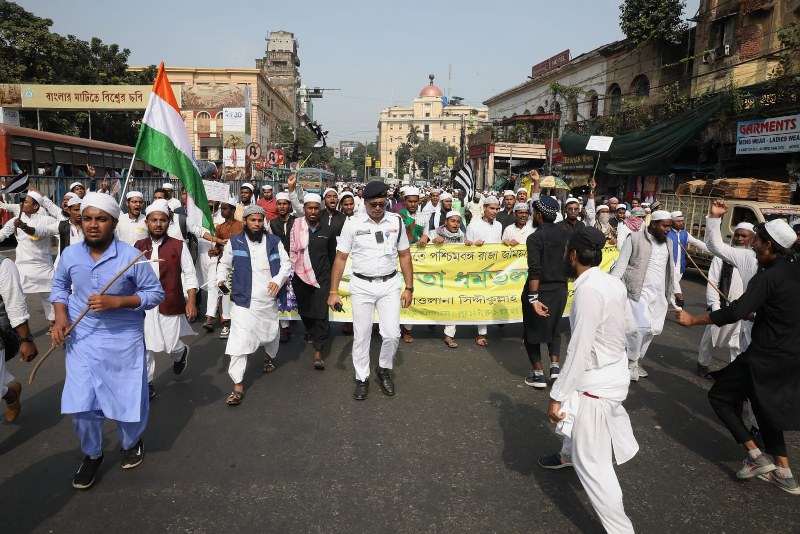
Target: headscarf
635, 220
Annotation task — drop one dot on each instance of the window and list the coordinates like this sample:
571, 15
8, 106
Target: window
572, 105
640, 86
615, 96
203, 122
444, 140
540, 110
391, 126
593, 101
427, 114
444, 126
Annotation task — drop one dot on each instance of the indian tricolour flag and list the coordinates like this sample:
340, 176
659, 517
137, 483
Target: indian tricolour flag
164, 143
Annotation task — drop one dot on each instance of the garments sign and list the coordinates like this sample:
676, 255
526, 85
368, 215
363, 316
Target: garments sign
78, 97
217, 191
456, 284
774, 135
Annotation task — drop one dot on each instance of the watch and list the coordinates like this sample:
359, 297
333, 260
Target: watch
26, 339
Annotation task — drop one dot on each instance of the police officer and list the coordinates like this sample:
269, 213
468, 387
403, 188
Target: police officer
375, 239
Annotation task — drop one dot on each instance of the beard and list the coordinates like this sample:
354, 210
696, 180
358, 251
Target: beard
661, 239
253, 236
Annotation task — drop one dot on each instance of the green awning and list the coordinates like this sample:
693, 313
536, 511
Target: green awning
651, 151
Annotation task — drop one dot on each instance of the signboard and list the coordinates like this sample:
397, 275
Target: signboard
550, 64
9, 116
600, 143
279, 156
78, 97
577, 163
272, 157
377, 164
253, 151
368, 161
217, 191
233, 137
557, 155
773, 135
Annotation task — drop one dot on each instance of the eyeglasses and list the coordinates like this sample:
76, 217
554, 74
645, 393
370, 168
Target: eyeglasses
377, 204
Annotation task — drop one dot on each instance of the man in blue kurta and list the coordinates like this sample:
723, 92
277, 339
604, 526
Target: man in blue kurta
106, 373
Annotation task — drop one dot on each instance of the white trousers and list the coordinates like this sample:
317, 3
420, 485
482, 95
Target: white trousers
706, 346
151, 361
212, 302
592, 458
366, 298
284, 323
450, 330
47, 307
5, 376
637, 342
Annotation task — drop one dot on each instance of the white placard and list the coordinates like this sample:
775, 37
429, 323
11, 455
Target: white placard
599, 143
217, 191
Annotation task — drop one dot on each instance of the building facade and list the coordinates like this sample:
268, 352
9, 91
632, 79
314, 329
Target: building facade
281, 64
433, 117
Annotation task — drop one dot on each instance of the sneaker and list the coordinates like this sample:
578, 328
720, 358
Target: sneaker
225, 332
151, 390
641, 371
84, 478
752, 467
554, 370
633, 370
536, 381
133, 456
179, 366
787, 484
554, 461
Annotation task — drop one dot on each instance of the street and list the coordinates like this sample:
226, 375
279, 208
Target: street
455, 450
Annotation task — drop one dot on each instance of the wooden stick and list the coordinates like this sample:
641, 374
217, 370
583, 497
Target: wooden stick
701, 271
74, 324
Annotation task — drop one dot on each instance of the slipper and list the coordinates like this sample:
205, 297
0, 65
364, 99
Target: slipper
269, 366
449, 342
407, 336
13, 408
481, 341
235, 398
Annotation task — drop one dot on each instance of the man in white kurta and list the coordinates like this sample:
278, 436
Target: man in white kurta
131, 227
649, 292
163, 332
254, 318
586, 399
484, 231
34, 259
521, 228
725, 277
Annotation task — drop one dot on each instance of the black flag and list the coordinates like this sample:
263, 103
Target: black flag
17, 184
466, 182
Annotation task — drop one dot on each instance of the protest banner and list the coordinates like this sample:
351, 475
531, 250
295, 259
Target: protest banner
457, 284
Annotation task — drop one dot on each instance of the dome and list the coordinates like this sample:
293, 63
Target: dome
430, 89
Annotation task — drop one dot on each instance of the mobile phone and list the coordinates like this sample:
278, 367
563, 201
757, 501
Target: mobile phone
338, 307
224, 289
379, 236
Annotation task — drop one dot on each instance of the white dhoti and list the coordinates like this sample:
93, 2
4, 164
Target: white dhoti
163, 333
253, 327
650, 310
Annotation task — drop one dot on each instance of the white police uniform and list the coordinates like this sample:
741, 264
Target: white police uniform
374, 285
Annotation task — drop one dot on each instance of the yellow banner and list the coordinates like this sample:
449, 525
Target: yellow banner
456, 284
79, 97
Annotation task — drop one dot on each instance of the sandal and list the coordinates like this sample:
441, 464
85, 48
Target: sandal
407, 336
269, 365
481, 341
450, 342
319, 365
235, 398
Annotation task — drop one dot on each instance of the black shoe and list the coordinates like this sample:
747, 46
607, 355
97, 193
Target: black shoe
133, 456
151, 391
179, 366
385, 381
703, 371
209, 327
84, 478
362, 388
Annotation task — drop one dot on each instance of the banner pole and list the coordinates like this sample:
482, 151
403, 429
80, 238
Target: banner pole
127, 179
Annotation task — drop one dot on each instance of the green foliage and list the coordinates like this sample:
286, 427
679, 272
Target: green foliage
414, 134
31, 53
652, 20
357, 158
433, 153
403, 156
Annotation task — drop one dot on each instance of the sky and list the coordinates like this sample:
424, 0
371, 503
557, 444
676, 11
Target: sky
376, 53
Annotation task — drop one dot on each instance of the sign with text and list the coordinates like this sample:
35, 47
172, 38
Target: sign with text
550, 64
599, 143
217, 191
774, 135
233, 137
78, 97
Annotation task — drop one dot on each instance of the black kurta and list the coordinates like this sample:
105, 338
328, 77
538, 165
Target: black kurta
335, 220
506, 219
546, 263
773, 357
282, 229
313, 301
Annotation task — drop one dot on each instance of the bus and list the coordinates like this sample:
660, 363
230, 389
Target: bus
309, 179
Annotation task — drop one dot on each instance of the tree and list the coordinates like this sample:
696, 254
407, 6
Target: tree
403, 156
647, 20
414, 135
430, 154
30, 52
357, 157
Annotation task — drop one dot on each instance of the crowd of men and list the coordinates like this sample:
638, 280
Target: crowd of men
146, 274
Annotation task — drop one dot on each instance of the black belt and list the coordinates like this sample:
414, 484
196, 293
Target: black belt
376, 278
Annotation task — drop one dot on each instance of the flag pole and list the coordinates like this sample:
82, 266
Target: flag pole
127, 179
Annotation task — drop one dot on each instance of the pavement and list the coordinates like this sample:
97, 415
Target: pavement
454, 450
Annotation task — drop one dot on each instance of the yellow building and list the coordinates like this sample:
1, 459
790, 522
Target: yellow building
434, 120
207, 91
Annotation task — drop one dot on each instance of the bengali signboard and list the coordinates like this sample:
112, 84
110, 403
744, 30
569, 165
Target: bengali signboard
217, 191
78, 97
456, 284
550, 64
773, 135
234, 139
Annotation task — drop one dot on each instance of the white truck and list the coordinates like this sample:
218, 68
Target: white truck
695, 211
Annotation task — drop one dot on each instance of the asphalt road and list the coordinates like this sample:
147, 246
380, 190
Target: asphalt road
455, 450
